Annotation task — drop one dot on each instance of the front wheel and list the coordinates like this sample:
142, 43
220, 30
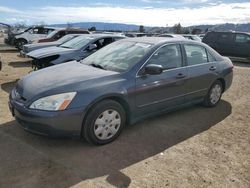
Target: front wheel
104, 122
214, 94
21, 43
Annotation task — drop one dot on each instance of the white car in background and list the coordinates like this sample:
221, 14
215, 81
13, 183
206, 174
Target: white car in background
31, 35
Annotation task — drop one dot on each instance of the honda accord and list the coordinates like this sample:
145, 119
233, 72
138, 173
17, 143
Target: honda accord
120, 84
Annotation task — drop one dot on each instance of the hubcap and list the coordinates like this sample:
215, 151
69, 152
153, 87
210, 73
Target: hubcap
107, 124
215, 94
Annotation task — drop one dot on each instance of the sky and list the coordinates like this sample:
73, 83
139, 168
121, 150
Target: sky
141, 12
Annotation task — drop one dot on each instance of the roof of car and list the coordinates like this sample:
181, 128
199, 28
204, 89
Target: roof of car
239, 32
96, 36
154, 40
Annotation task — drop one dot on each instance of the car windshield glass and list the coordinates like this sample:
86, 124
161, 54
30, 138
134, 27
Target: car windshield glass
65, 38
51, 34
77, 42
118, 56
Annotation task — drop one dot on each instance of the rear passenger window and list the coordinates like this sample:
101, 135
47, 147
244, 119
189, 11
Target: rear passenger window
241, 38
195, 54
168, 57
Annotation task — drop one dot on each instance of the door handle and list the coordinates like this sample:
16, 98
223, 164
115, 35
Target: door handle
212, 68
180, 75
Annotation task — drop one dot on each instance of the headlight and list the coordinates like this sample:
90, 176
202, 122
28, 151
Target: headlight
54, 102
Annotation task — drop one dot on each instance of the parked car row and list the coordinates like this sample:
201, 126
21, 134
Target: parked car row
40, 34
109, 81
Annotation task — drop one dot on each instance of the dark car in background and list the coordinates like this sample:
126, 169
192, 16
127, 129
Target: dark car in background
76, 49
59, 33
120, 84
233, 44
31, 47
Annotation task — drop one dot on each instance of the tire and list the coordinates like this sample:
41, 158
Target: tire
20, 43
214, 94
104, 122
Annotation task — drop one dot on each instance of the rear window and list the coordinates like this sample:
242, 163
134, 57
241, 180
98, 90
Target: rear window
242, 38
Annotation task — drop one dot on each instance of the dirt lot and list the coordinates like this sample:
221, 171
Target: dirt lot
193, 147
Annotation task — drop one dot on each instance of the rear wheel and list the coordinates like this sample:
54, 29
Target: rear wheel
104, 122
214, 94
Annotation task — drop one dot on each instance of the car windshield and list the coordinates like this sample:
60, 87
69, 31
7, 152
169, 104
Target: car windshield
77, 42
52, 34
118, 56
65, 38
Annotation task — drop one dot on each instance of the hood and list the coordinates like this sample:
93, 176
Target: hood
31, 47
46, 52
59, 78
41, 44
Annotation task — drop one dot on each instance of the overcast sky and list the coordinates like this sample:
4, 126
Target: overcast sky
142, 12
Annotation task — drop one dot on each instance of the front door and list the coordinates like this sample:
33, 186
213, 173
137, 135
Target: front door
159, 92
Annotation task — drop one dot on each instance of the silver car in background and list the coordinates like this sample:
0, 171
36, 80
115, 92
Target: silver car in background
76, 49
31, 47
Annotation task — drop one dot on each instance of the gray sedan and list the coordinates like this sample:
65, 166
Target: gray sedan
31, 47
76, 49
120, 84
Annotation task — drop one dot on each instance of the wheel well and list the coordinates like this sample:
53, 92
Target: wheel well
22, 39
223, 83
121, 101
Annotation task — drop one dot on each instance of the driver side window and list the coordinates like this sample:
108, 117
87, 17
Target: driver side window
169, 57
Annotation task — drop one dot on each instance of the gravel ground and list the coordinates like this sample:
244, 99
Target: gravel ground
192, 147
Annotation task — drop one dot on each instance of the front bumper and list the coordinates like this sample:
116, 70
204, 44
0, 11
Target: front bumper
67, 123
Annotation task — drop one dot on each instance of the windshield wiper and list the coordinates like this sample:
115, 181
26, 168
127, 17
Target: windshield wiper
97, 66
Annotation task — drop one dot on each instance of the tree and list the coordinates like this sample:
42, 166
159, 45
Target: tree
177, 28
141, 29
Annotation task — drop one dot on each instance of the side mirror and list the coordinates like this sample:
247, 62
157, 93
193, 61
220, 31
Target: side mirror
92, 47
153, 69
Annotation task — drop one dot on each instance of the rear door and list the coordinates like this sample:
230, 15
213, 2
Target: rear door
241, 45
158, 92
202, 71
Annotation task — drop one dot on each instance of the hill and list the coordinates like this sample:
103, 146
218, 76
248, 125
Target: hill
133, 27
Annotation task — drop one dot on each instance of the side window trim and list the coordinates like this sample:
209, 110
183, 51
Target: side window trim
146, 62
177, 44
185, 54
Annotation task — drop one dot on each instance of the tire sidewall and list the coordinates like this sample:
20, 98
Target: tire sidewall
208, 100
95, 111
20, 43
